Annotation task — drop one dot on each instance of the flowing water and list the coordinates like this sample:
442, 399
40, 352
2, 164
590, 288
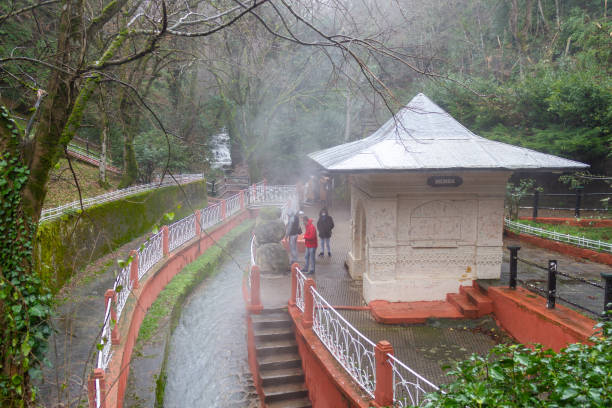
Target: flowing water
220, 149
207, 364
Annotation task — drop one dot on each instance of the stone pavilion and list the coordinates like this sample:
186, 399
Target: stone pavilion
427, 202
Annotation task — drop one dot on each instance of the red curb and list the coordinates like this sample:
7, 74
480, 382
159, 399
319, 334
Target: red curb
525, 317
412, 312
562, 248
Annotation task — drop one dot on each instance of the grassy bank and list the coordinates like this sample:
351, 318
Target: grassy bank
594, 233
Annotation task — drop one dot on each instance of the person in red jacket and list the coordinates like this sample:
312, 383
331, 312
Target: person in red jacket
310, 241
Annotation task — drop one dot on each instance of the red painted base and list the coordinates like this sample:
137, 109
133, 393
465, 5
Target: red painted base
525, 316
412, 312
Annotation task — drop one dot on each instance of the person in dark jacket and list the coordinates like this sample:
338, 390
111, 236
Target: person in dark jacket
325, 224
310, 241
293, 230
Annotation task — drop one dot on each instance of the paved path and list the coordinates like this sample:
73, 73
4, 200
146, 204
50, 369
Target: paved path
76, 324
531, 270
426, 348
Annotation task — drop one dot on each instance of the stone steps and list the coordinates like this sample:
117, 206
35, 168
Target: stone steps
280, 366
471, 302
461, 302
482, 301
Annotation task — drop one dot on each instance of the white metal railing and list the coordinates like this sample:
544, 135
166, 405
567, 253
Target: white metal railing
210, 215
52, 213
123, 287
354, 351
556, 236
409, 387
299, 289
105, 351
253, 249
280, 194
232, 205
181, 232
150, 253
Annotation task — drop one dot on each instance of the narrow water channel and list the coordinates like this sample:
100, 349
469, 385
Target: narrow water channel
207, 364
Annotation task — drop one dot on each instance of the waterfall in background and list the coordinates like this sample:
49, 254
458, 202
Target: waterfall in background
220, 149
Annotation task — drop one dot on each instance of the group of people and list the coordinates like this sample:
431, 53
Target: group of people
325, 224
316, 190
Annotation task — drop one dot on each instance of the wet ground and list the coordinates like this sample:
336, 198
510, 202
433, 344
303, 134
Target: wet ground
207, 363
425, 348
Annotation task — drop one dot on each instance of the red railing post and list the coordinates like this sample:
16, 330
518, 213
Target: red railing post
111, 295
134, 269
308, 303
383, 394
198, 222
97, 374
256, 306
223, 209
242, 199
165, 242
265, 187
293, 283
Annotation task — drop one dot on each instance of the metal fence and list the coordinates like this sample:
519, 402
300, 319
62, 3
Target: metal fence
299, 289
582, 299
409, 387
181, 232
122, 287
232, 204
52, 213
575, 202
354, 351
151, 252
556, 236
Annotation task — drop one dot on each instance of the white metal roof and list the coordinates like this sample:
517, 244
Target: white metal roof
422, 136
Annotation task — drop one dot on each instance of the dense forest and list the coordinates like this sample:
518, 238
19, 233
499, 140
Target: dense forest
151, 81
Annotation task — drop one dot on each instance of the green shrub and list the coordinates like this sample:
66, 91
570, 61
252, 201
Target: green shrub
516, 376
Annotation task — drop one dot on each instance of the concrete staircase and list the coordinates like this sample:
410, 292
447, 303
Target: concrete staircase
280, 366
471, 302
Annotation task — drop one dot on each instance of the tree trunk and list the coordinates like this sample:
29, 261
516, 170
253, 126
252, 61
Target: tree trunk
103, 151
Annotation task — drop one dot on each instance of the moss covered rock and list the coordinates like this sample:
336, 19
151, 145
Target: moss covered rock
272, 259
269, 213
269, 231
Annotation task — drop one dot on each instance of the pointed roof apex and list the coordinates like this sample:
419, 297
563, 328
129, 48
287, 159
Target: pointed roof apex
422, 136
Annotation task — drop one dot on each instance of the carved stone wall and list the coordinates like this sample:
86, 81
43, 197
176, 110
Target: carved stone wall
424, 242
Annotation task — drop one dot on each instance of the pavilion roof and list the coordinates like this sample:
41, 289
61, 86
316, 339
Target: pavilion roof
422, 136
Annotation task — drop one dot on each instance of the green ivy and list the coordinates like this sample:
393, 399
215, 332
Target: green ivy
516, 376
25, 303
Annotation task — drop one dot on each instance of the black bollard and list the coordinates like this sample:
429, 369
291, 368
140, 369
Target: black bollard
513, 264
536, 203
552, 284
578, 202
212, 192
607, 277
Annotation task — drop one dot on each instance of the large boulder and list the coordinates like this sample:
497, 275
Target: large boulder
269, 231
269, 213
272, 259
